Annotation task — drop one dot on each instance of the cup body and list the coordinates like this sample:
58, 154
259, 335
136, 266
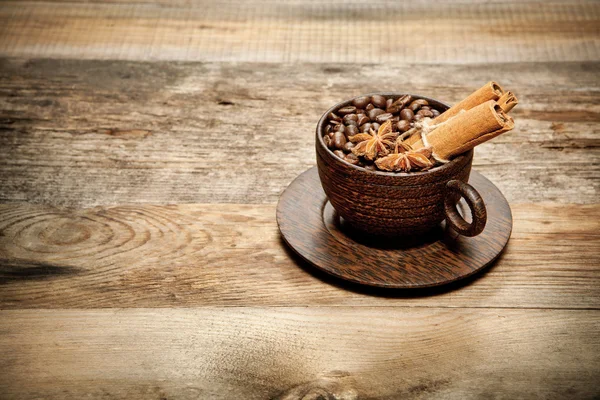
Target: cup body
388, 203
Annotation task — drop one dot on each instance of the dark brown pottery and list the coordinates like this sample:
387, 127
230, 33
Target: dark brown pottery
393, 204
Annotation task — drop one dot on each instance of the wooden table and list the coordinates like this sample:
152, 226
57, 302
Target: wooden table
143, 148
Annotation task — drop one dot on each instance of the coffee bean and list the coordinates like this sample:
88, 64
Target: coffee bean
334, 117
346, 110
375, 126
362, 119
330, 134
365, 127
369, 107
361, 102
350, 117
435, 112
329, 142
351, 130
399, 104
351, 122
374, 113
381, 118
416, 104
403, 125
351, 158
339, 128
407, 114
348, 147
378, 101
339, 153
425, 113
388, 103
328, 128
360, 111
425, 108
418, 117
339, 140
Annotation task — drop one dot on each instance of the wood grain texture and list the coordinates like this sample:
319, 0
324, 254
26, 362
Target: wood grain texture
232, 255
87, 133
317, 233
260, 353
304, 30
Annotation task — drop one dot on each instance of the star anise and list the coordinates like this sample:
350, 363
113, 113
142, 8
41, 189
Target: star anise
406, 159
373, 144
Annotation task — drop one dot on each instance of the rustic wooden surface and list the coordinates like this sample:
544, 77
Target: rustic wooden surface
144, 145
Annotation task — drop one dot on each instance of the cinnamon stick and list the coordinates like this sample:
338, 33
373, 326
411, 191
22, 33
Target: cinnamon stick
507, 101
466, 130
489, 91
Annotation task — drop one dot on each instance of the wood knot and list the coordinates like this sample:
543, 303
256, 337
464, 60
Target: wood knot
334, 386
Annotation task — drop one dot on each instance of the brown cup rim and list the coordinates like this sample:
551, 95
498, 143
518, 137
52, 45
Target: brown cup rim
323, 120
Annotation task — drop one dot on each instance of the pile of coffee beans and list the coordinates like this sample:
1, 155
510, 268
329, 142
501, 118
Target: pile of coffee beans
369, 112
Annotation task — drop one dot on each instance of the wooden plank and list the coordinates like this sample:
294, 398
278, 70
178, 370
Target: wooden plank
232, 255
256, 353
87, 133
314, 31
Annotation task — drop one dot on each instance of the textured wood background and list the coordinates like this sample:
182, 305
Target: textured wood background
144, 145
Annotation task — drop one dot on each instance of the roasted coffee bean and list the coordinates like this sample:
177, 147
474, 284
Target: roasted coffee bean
425, 108
416, 104
329, 142
388, 103
374, 113
365, 127
361, 102
363, 119
351, 122
435, 113
394, 119
350, 117
369, 107
351, 158
351, 130
348, 147
360, 111
407, 114
381, 118
339, 153
418, 117
339, 140
328, 128
347, 110
378, 101
399, 104
330, 134
425, 113
403, 125
334, 117
404, 100
339, 128
375, 126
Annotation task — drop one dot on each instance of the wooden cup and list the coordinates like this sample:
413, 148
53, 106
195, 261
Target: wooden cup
399, 204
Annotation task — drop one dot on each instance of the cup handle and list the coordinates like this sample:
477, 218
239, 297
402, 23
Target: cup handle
476, 204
